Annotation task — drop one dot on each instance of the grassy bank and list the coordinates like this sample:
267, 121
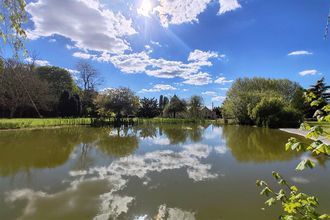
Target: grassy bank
21, 123
18, 123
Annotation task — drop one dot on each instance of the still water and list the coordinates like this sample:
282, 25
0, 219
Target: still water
147, 172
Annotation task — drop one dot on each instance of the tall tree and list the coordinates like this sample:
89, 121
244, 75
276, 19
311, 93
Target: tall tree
88, 76
320, 93
148, 108
89, 79
161, 102
195, 106
69, 105
176, 105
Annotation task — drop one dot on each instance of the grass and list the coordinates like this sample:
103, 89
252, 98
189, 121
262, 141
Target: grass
18, 123
21, 123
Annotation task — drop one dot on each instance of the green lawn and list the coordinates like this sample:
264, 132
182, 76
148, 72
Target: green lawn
17, 123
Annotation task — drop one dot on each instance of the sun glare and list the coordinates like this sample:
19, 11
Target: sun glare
145, 8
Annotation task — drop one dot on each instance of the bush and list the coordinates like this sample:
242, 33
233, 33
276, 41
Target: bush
273, 113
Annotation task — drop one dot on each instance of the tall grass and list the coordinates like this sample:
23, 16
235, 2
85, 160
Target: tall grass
18, 123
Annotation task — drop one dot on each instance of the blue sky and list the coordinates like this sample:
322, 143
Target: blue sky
183, 47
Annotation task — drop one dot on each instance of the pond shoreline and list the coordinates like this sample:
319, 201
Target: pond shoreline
303, 133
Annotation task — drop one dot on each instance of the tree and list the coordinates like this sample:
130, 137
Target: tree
148, 108
89, 79
161, 102
195, 106
12, 17
16, 97
88, 76
121, 101
176, 105
59, 79
246, 93
69, 105
272, 113
320, 92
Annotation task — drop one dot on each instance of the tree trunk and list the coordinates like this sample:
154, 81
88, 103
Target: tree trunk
12, 112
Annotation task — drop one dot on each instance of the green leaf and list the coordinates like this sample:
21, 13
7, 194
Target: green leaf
294, 188
305, 164
266, 191
270, 202
324, 216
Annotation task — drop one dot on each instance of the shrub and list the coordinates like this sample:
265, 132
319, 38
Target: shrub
272, 113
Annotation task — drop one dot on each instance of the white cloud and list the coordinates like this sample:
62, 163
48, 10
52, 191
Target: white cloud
187, 11
158, 88
156, 43
198, 79
82, 55
228, 5
308, 72
161, 68
86, 23
180, 11
52, 40
38, 62
223, 80
300, 52
203, 56
218, 98
69, 47
214, 95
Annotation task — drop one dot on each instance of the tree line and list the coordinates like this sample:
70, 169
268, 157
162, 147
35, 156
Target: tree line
27, 90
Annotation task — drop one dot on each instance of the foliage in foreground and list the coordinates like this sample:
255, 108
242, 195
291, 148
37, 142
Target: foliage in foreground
297, 205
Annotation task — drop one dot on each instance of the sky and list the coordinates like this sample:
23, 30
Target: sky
183, 47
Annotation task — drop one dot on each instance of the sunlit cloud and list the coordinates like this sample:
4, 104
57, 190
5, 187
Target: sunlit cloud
299, 53
159, 88
223, 80
308, 72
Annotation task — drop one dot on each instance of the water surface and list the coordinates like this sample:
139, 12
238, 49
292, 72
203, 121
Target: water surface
147, 172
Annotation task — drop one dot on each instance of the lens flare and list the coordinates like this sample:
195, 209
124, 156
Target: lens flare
145, 8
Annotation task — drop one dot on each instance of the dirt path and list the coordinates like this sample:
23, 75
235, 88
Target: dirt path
303, 133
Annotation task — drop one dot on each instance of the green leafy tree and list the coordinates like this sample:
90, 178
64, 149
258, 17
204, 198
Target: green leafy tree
12, 18
148, 108
272, 112
295, 204
176, 105
59, 79
319, 92
195, 106
246, 93
121, 101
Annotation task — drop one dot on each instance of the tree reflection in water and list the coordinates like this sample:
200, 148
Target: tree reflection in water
251, 144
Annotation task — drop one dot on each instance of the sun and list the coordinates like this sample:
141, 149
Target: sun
145, 8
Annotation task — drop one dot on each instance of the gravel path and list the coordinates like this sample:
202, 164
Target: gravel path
303, 133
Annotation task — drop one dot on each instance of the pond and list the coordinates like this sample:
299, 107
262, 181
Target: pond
147, 172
